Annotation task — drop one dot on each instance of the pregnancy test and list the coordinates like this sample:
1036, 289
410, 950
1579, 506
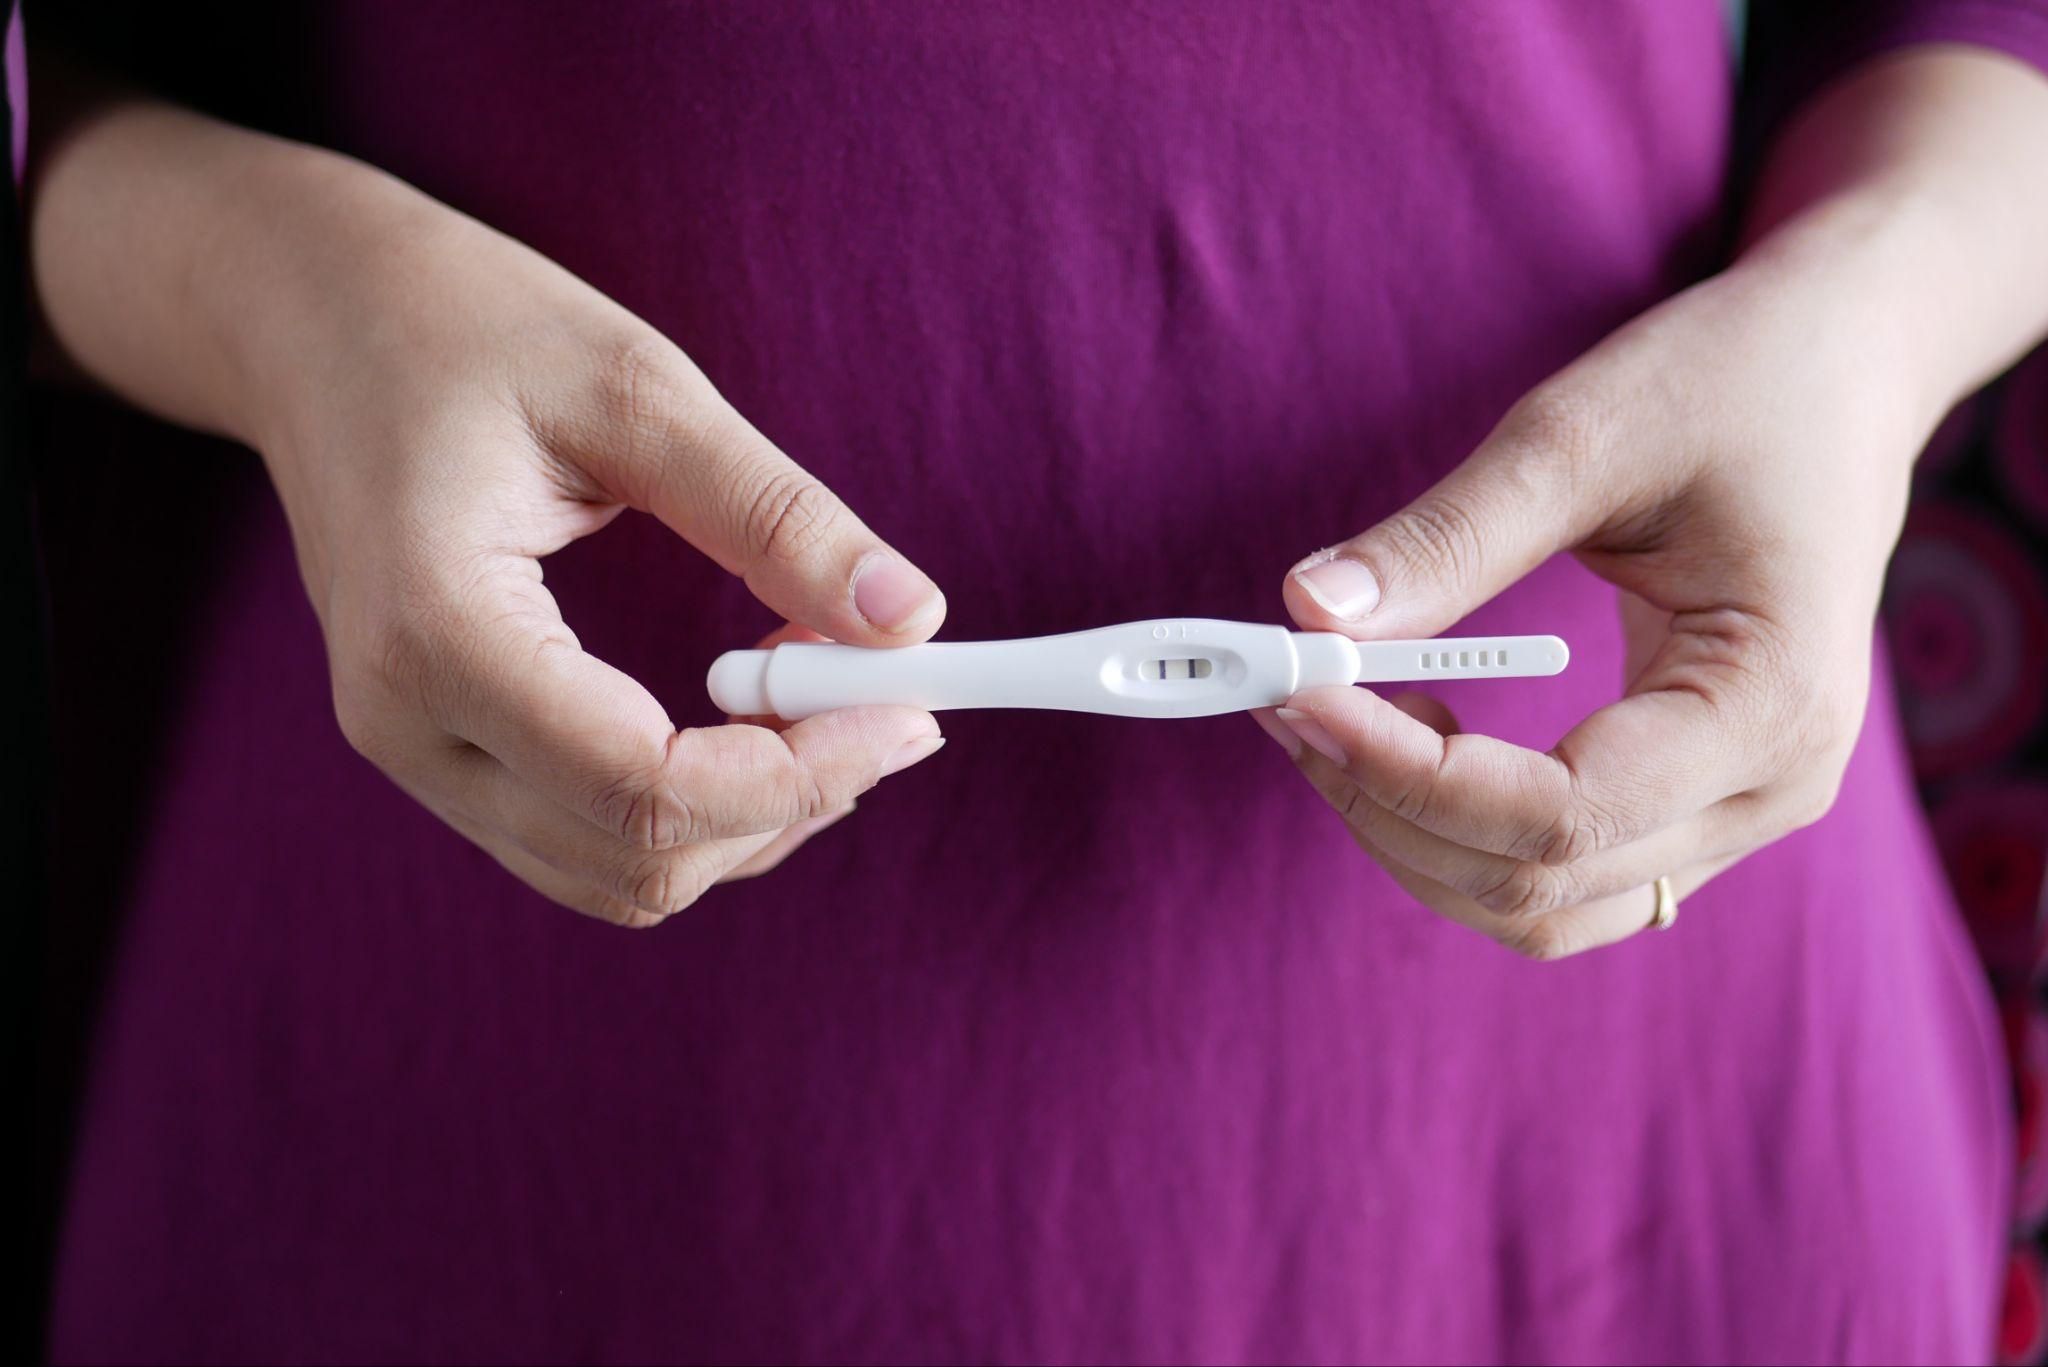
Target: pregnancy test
1177, 667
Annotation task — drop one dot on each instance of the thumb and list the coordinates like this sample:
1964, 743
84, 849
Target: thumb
1511, 505
688, 457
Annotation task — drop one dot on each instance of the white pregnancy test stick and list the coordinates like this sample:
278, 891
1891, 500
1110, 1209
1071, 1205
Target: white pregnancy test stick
1176, 667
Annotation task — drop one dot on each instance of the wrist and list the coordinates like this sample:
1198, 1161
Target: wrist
1863, 271
1907, 193
299, 279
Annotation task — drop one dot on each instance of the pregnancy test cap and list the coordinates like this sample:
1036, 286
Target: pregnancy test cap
1173, 667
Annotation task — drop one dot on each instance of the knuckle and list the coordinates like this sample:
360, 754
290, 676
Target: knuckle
1560, 419
384, 668
1412, 801
648, 402
401, 650
1565, 825
1567, 837
653, 811
664, 884
772, 781
1439, 538
789, 516
1524, 890
790, 787
652, 815
813, 797
644, 383
419, 631
1417, 793
1544, 941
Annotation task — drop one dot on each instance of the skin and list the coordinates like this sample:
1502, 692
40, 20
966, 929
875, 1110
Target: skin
472, 408
1736, 463
440, 408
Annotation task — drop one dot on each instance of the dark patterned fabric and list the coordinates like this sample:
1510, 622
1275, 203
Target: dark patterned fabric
1968, 618
24, 758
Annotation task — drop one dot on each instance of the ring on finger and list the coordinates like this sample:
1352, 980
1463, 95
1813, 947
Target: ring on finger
1666, 913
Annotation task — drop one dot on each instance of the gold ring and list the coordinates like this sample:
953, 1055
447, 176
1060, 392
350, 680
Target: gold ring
1666, 914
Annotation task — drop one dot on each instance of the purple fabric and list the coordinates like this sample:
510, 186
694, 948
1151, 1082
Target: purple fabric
1089, 1039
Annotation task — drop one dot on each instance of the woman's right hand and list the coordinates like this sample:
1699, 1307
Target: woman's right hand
441, 408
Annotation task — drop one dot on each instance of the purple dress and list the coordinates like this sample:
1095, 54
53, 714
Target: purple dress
1089, 1039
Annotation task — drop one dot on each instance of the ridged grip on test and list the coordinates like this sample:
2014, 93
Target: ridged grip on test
1461, 657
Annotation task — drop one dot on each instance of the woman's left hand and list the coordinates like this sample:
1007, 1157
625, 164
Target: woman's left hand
1736, 463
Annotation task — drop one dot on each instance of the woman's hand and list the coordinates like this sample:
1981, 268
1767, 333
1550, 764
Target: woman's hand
1736, 462
1741, 481
474, 408
440, 408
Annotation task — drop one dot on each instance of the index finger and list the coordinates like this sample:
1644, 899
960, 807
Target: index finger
666, 441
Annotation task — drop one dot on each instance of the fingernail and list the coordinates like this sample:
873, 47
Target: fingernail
889, 594
1288, 741
1341, 586
911, 752
1311, 731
